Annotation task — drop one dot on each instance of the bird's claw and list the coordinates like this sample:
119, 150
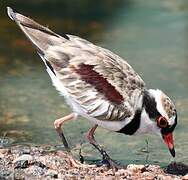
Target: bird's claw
110, 163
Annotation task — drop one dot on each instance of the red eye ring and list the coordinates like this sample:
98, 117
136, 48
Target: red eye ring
162, 122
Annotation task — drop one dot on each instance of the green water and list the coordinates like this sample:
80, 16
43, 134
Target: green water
151, 35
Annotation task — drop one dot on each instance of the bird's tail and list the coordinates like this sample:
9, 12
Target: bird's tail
40, 36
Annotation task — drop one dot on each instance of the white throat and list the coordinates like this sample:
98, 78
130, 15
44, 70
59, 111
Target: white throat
147, 125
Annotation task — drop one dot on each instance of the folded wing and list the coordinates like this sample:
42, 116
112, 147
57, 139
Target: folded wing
101, 83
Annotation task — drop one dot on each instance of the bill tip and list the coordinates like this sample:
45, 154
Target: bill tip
172, 151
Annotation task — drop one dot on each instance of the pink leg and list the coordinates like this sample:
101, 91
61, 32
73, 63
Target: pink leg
105, 156
91, 138
58, 123
90, 134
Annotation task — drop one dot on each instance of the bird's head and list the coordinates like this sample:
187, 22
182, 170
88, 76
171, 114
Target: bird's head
161, 111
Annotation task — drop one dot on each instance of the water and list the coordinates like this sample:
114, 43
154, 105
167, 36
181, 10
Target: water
152, 35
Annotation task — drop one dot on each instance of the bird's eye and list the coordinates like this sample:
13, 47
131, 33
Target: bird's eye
162, 122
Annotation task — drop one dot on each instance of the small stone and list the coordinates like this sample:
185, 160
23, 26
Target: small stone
3, 151
4, 173
135, 177
121, 172
39, 164
36, 171
23, 161
25, 151
154, 168
108, 178
169, 178
21, 164
135, 168
160, 177
185, 177
148, 175
110, 172
52, 173
24, 157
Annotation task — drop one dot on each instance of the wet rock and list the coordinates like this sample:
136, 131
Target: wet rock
177, 168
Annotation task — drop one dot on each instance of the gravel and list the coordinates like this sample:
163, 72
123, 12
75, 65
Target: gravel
43, 162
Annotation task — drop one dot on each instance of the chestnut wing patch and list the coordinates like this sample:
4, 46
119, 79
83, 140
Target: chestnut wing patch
89, 75
94, 93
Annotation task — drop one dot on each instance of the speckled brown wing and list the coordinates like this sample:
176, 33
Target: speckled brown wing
102, 83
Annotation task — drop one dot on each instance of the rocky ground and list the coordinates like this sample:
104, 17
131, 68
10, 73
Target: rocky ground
26, 162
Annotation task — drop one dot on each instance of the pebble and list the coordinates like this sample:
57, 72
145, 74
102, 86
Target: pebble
36, 170
52, 173
169, 178
185, 177
121, 172
3, 151
160, 177
135, 168
21, 164
24, 157
148, 175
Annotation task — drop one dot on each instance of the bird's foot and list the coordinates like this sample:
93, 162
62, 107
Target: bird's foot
111, 164
77, 164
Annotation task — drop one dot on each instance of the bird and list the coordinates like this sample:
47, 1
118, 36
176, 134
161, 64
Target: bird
100, 86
